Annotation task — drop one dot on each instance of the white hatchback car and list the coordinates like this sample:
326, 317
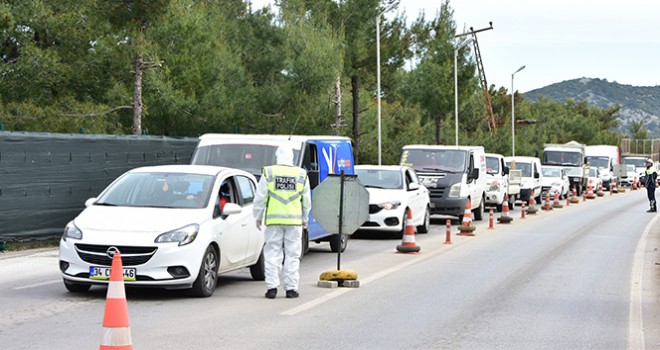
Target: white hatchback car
175, 226
394, 191
555, 180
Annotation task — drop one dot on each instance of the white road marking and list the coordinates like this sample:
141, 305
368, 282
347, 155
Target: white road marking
636, 322
37, 284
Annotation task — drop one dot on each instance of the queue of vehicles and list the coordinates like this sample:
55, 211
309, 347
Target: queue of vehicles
174, 231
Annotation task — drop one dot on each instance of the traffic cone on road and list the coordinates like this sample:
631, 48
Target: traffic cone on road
448, 233
590, 192
532, 206
574, 197
490, 220
522, 210
116, 331
556, 203
467, 227
408, 244
504, 217
547, 206
600, 192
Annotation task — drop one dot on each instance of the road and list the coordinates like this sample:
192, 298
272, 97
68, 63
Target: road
580, 277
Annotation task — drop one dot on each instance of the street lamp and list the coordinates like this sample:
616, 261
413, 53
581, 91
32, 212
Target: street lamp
395, 4
460, 46
513, 114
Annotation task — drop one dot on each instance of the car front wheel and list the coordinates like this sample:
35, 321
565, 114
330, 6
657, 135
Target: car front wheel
207, 279
424, 227
258, 270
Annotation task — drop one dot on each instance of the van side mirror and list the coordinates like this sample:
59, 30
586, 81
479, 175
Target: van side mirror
506, 170
474, 174
537, 175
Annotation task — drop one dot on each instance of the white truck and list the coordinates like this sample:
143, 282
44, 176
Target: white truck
571, 156
607, 159
501, 180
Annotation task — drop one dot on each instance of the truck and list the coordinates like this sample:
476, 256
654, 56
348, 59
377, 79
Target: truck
452, 174
501, 180
607, 159
318, 155
571, 156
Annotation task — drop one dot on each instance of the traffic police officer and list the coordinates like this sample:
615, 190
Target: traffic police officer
651, 178
283, 195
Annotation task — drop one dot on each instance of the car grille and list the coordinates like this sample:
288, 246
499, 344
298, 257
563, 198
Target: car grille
130, 256
437, 192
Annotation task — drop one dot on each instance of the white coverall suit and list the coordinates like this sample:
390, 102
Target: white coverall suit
282, 239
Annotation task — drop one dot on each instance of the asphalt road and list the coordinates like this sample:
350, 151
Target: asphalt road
581, 277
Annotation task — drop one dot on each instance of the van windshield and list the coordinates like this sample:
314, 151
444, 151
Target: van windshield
599, 162
492, 165
525, 168
562, 158
248, 157
441, 160
637, 162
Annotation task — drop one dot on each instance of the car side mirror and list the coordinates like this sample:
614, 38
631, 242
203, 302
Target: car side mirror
231, 208
413, 186
90, 201
474, 174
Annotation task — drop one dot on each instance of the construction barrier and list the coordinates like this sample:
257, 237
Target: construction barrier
408, 244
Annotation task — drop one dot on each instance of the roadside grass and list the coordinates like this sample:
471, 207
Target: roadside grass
18, 245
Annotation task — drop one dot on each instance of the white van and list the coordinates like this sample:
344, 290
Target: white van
500, 180
532, 177
452, 174
606, 158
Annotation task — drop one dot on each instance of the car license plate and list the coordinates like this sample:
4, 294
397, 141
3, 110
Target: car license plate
103, 273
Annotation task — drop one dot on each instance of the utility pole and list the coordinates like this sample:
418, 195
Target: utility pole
482, 74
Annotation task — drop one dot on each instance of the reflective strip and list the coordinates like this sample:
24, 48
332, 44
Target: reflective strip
284, 216
116, 336
284, 200
116, 290
408, 238
269, 174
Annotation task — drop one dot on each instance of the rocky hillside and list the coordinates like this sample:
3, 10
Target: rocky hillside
637, 102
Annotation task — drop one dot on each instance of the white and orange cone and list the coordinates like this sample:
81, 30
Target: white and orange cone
590, 192
532, 206
408, 244
547, 206
556, 203
505, 218
116, 331
467, 227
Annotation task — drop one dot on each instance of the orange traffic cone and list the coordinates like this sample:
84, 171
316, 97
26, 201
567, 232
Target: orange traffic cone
408, 244
547, 205
556, 203
590, 192
532, 206
505, 218
467, 227
574, 197
600, 192
116, 332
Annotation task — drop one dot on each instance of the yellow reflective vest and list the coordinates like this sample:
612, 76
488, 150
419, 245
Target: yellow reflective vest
285, 185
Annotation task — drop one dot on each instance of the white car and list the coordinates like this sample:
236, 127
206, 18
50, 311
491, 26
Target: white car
594, 180
631, 175
170, 228
394, 191
554, 181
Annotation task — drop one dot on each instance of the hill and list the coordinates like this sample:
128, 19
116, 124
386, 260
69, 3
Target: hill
637, 102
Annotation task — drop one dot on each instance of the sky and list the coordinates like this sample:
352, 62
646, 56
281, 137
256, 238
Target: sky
556, 40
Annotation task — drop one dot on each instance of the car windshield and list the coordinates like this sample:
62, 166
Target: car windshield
562, 158
158, 189
551, 172
440, 160
637, 162
492, 165
249, 157
593, 172
599, 162
376, 178
630, 168
525, 168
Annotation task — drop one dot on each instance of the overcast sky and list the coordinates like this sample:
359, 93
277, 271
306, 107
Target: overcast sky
557, 40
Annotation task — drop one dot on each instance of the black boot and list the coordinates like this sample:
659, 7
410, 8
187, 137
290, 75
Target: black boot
271, 293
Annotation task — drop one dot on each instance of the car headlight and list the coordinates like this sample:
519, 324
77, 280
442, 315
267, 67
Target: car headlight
71, 231
494, 186
389, 205
183, 235
455, 190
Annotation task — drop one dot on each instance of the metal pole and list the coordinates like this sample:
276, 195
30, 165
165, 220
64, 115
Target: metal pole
456, 94
513, 114
378, 82
341, 216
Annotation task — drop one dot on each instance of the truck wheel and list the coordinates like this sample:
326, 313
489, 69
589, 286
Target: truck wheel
498, 207
512, 202
338, 242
